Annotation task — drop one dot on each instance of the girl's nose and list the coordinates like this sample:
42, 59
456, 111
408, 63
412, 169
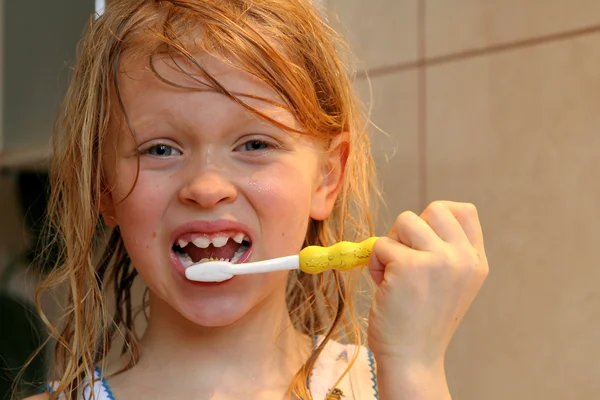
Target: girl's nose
207, 190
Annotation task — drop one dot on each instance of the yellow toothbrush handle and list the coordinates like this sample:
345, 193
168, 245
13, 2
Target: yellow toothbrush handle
342, 256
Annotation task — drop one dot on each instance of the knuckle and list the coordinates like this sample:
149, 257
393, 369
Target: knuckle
470, 209
462, 262
404, 217
436, 206
446, 261
471, 262
414, 259
482, 267
484, 272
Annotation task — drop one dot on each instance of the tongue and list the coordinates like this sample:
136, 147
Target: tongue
225, 252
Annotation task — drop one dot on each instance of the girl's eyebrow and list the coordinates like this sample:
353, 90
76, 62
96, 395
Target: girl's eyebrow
152, 121
236, 119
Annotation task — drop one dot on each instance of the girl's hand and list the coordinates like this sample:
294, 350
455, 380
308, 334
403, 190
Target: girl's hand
429, 269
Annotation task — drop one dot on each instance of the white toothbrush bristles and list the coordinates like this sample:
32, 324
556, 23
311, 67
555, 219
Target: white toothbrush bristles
219, 271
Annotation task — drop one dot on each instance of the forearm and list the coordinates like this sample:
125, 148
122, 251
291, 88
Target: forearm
412, 382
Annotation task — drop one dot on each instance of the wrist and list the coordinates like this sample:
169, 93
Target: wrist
412, 380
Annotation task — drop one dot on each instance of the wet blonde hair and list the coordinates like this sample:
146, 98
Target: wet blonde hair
286, 44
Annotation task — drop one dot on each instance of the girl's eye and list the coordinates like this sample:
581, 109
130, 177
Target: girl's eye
162, 150
254, 145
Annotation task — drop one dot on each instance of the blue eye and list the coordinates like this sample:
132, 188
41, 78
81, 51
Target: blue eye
162, 150
254, 145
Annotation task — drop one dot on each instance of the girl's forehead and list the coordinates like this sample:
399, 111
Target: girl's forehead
174, 85
204, 73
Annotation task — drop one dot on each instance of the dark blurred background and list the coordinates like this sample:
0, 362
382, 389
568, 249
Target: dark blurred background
38, 40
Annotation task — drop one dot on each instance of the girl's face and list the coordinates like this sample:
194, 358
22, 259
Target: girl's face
211, 175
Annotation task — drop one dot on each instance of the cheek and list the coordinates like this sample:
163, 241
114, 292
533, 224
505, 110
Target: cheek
142, 201
140, 216
282, 198
281, 189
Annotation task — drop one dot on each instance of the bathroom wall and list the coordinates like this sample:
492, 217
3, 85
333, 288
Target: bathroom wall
498, 103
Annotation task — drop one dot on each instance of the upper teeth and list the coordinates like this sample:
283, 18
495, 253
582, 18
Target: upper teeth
217, 241
201, 242
239, 238
220, 241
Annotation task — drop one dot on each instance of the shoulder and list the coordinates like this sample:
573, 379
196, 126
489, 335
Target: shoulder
95, 382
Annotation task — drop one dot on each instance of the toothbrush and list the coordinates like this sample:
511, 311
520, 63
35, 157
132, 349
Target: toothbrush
342, 256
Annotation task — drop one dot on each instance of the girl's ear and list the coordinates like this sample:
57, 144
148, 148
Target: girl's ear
333, 168
107, 209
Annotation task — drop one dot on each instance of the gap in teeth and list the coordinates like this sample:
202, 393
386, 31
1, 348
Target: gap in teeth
218, 241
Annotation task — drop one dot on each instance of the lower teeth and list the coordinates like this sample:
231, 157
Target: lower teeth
213, 259
186, 260
239, 253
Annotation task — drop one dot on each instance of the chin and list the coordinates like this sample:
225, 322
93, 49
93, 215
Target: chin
216, 315
219, 308
223, 304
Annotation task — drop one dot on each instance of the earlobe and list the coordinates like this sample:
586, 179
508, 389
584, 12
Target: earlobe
109, 220
107, 210
332, 172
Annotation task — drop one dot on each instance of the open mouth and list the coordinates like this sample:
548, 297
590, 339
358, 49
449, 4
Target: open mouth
224, 246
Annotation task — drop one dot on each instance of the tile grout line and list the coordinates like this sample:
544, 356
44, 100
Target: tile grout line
422, 61
422, 106
376, 72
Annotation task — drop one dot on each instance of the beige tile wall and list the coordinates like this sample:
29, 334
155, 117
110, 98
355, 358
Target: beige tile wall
506, 114
393, 100
380, 32
517, 133
459, 25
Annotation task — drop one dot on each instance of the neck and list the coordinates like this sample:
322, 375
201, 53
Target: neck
260, 349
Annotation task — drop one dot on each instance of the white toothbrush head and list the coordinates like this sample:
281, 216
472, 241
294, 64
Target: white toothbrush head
211, 271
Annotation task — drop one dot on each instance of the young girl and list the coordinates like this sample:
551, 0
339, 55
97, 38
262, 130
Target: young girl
229, 129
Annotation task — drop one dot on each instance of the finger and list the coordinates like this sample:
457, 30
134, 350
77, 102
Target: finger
467, 216
386, 251
444, 223
412, 231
